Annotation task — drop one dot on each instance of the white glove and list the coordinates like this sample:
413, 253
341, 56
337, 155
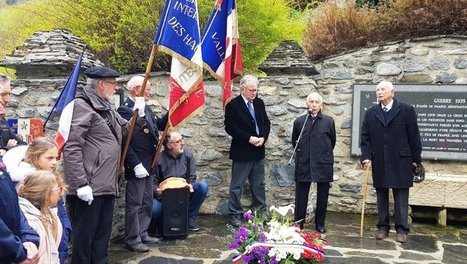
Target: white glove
85, 194
140, 171
140, 104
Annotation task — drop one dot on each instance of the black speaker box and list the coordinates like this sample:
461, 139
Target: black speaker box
175, 212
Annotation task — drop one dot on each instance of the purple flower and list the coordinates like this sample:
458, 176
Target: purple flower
262, 237
248, 216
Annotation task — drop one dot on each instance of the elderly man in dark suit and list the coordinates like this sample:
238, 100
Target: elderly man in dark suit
248, 124
390, 144
314, 159
139, 186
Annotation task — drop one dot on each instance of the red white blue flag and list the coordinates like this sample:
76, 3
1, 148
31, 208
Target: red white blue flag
65, 104
221, 46
178, 35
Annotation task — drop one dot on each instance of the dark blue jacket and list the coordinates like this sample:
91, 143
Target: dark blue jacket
145, 138
66, 224
14, 228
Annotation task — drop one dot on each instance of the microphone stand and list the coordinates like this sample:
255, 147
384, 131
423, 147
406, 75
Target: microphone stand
299, 136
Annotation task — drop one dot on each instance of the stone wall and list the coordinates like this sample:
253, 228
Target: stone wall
441, 59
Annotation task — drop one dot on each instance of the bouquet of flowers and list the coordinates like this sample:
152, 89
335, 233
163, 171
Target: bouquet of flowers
277, 241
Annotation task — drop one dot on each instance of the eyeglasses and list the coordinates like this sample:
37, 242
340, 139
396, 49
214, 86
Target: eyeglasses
252, 90
5, 94
178, 141
112, 82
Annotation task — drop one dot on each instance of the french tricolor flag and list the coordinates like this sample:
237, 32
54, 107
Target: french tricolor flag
65, 104
221, 46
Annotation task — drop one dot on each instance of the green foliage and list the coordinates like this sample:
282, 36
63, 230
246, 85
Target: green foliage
120, 32
19, 22
263, 24
337, 28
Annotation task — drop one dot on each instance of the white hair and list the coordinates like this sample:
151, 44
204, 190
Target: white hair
308, 98
135, 81
247, 80
385, 84
4, 80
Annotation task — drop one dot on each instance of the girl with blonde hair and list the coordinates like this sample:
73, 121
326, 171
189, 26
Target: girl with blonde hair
38, 193
41, 154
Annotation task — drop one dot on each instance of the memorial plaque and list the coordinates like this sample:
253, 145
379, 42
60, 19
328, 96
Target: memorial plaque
441, 116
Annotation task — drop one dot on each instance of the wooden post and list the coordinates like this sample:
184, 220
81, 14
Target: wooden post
365, 185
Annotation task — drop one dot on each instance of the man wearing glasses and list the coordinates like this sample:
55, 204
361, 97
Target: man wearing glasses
8, 139
247, 123
178, 161
91, 164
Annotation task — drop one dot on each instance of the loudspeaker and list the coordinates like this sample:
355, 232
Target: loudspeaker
175, 212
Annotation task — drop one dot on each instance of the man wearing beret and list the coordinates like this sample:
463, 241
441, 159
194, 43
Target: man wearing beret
91, 164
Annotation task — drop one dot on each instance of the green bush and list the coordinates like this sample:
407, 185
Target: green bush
120, 32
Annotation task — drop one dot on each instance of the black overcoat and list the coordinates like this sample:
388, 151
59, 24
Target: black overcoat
391, 146
240, 125
314, 158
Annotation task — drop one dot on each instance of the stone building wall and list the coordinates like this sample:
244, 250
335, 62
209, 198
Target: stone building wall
440, 59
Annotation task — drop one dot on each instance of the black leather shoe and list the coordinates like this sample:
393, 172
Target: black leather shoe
151, 240
138, 247
235, 221
321, 229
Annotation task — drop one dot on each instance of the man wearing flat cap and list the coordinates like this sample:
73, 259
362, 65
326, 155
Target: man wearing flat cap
91, 164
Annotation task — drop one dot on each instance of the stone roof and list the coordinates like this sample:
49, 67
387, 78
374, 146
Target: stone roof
49, 53
288, 59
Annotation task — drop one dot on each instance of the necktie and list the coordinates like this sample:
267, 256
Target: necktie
385, 113
252, 112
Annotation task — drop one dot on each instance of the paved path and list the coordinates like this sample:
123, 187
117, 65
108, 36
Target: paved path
426, 244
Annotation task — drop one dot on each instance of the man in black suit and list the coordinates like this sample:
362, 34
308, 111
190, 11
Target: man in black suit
247, 123
390, 144
314, 159
139, 186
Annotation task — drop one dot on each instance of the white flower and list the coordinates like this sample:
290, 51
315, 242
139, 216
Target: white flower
283, 210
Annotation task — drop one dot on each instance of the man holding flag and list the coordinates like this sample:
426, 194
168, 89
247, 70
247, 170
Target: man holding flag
91, 164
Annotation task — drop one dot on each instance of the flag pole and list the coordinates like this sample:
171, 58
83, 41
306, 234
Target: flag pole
135, 114
159, 146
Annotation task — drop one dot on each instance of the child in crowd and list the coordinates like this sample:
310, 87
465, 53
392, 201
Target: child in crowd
38, 192
41, 154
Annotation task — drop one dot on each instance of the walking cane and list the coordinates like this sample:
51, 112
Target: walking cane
365, 185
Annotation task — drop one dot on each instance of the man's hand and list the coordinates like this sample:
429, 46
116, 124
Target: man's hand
85, 194
12, 143
366, 163
140, 105
33, 253
260, 142
140, 171
256, 141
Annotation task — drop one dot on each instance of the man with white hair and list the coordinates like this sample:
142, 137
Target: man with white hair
247, 122
314, 138
139, 186
8, 139
390, 144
